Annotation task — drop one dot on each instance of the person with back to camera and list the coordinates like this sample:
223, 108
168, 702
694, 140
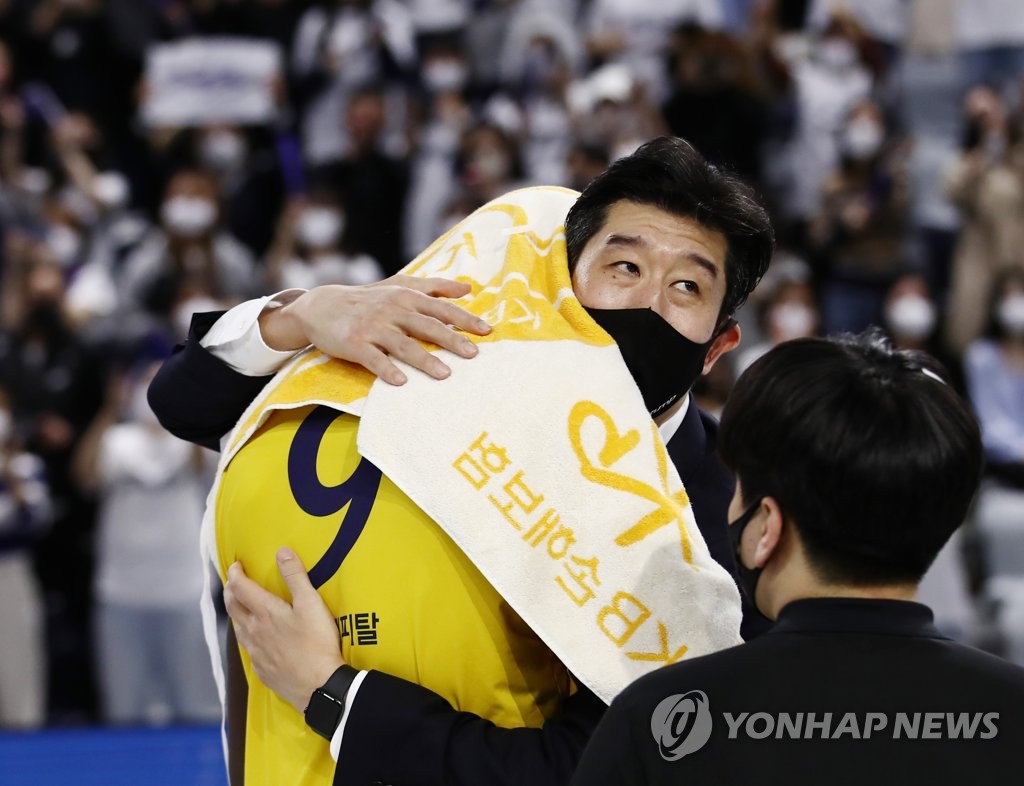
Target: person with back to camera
854, 464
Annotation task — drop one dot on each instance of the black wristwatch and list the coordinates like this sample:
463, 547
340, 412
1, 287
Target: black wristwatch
327, 704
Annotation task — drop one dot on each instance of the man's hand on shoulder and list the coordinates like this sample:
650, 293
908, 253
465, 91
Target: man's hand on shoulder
294, 646
372, 324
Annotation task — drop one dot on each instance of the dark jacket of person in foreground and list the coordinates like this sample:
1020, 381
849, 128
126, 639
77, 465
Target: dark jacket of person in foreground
854, 465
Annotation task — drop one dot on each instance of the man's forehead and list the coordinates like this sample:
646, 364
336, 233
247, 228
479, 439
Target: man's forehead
640, 225
642, 241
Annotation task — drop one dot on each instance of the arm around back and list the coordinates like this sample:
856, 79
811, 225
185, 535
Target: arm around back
401, 733
197, 396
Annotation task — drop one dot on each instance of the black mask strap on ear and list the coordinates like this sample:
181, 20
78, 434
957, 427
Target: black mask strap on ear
748, 577
727, 324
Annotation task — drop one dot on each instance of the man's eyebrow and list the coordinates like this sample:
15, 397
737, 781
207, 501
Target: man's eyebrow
703, 262
637, 241
626, 240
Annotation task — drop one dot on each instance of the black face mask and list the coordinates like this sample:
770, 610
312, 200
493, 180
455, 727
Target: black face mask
663, 362
748, 576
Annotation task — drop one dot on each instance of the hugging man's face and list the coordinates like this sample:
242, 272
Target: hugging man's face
645, 257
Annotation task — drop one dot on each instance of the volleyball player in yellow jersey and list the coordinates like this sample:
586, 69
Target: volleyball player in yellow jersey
407, 601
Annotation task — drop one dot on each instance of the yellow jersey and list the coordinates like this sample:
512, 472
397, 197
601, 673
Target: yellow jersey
407, 601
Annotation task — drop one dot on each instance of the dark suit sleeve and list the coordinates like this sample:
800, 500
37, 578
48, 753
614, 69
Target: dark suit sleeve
198, 397
612, 757
402, 734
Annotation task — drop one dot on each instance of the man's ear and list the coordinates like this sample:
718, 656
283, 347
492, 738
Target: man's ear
727, 341
771, 532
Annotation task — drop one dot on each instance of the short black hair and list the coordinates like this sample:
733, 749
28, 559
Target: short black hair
669, 173
872, 459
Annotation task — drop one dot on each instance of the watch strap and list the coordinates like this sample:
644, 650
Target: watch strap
327, 704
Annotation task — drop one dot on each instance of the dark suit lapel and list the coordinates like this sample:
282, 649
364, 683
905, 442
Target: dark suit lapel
689, 445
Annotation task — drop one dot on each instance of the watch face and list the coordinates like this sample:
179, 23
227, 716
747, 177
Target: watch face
324, 713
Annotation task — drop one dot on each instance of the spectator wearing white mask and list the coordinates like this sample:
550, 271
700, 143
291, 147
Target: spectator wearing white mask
912, 318
309, 249
790, 312
152, 662
249, 178
861, 226
188, 253
489, 163
910, 313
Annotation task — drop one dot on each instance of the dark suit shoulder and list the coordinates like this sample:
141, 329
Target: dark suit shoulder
843, 670
985, 667
691, 674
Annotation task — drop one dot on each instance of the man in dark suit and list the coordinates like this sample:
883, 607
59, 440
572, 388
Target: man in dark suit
660, 232
854, 463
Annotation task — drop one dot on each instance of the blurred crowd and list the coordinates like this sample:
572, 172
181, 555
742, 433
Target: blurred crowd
887, 137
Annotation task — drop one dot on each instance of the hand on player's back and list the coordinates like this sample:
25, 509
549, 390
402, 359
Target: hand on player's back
294, 647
